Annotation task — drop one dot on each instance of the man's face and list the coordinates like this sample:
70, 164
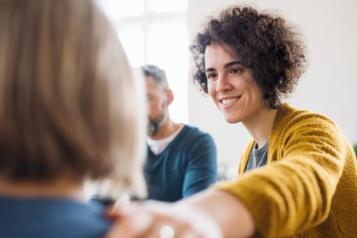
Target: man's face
231, 85
157, 105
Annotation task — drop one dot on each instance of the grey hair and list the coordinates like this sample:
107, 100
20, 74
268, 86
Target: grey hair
156, 73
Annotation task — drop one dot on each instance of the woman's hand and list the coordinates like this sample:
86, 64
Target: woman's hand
162, 220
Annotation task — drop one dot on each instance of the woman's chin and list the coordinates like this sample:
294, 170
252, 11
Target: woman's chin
232, 119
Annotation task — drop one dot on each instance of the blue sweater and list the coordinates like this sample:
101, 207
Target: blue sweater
186, 166
55, 218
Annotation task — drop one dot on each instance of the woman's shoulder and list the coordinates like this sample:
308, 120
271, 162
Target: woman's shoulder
291, 117
39, 217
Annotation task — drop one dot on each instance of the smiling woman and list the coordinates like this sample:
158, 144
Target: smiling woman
298, 173
231, 85
274, 52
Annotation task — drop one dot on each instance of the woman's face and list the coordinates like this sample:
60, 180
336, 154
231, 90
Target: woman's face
231, 85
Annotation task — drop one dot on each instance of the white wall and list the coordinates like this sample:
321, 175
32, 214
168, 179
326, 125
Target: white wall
329, 85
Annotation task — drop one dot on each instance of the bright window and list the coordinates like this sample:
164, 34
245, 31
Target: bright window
117, 9
167, 6
155, 32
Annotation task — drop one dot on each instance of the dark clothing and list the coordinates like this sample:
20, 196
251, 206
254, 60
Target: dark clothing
186, 166
49, 217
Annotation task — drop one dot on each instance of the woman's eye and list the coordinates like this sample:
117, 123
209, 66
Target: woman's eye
211, 76
235, 70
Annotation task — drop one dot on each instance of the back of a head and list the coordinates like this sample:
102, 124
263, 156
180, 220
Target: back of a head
68, 102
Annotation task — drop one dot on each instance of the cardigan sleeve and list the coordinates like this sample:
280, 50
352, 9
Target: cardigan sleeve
294, 193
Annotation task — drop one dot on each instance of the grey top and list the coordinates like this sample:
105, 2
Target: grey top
258, 157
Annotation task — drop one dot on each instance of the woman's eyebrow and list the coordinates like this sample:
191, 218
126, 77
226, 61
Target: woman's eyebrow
227, 65
232, 63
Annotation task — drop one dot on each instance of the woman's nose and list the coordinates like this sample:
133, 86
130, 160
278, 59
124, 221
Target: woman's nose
223, 85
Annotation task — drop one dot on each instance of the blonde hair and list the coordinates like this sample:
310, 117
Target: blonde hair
68, 100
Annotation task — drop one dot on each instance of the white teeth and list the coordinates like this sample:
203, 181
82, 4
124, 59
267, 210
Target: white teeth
228, 101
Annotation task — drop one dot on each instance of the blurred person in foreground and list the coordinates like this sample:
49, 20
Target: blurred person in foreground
69, 112
181, 159
297, 176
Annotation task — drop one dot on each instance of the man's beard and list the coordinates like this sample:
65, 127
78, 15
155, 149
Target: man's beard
154, 124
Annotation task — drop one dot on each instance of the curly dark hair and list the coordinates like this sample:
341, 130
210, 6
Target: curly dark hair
267, 45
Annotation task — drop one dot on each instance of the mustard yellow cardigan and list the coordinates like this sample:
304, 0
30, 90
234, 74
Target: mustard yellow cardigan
308, 187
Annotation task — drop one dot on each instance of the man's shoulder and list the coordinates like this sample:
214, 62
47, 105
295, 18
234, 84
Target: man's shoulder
194, 135
194, 132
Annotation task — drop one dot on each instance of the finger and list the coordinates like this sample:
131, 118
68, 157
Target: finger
131, 226
189, 234
119, 211
118, 230
166, 231
112, 214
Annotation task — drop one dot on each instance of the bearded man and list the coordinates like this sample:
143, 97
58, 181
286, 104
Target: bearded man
181, 159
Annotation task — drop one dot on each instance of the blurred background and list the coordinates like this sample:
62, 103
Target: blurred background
160, 31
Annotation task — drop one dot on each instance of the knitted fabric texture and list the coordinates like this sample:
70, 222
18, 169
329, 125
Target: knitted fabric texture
308, 187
